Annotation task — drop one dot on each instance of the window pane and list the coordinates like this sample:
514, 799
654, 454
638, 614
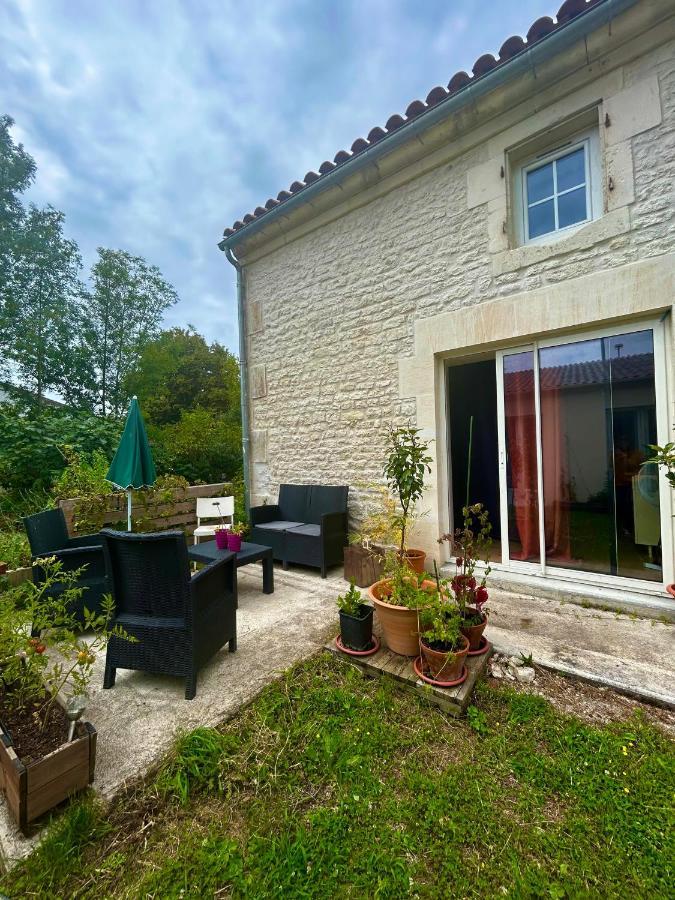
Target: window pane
521, 456
571, 170
540, 183
598, 417
541, 219
572, 207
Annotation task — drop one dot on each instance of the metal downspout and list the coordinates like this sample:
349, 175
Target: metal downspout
243, 373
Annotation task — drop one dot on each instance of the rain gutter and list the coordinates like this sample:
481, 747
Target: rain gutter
243, 374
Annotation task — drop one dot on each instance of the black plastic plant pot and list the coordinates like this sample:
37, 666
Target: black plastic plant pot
357, 631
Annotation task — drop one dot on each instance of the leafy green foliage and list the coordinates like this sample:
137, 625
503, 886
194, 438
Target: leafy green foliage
179, 371
477, 719
203, 446
14, 549
45, 299
31, 444
440, 625
351, 601
664, 457
405, 587
405, 467
83, 476
125, 305
30, 674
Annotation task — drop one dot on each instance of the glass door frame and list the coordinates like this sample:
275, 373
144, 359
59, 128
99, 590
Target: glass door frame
656, 326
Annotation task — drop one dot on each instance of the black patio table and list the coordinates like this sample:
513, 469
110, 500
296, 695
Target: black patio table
208, 552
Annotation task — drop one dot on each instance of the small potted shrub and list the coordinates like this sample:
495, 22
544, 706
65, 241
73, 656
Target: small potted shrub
46, 752
471, 543
397, 598
378, 530
356, 620
405, 467
443, 645
235, 536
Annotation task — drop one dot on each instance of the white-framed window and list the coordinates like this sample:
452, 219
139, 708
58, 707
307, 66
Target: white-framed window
559, 189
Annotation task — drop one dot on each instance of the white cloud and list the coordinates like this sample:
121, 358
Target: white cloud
156, 124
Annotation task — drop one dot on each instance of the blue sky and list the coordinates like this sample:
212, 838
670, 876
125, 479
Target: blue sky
157, 124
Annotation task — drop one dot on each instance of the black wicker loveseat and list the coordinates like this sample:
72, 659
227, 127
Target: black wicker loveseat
48, 536
308, 525
179, 621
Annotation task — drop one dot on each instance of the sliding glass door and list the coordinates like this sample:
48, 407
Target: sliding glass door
576, 418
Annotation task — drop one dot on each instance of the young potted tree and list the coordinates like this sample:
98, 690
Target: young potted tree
46, 752
470, 544
397, 598
443, 645
405, 467
356, 620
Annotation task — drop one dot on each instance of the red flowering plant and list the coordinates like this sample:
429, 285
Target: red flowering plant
471, 544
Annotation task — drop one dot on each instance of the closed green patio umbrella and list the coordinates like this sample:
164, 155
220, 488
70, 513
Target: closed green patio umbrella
132, 465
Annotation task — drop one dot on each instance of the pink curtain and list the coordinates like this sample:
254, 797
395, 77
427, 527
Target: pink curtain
556, 481
519, 409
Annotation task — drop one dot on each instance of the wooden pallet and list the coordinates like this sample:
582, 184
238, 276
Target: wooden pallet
453, 700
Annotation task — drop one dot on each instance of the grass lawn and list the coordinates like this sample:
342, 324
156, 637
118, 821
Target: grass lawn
334, 785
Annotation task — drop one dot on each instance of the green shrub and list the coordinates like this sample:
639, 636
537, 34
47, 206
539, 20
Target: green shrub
32, 443
203, 446
14, 549
84, 475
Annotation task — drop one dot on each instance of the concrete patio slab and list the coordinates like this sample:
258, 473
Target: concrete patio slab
139, 718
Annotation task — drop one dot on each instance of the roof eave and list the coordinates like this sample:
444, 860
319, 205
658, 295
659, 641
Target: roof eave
597, 15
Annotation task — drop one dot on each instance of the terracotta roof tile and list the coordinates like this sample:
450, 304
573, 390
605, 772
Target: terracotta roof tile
511, 47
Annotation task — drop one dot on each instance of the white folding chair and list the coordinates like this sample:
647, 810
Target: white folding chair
220, 508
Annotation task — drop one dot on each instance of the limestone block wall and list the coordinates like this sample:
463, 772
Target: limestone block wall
346, 323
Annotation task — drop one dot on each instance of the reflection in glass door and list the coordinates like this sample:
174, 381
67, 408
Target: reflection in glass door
577, 421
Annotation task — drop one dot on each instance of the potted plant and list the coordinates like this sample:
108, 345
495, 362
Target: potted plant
378, 530
471, 543
221, 531
405, 467
664, 457
397, 599
47, 752
235, 535
443, 645
356, 620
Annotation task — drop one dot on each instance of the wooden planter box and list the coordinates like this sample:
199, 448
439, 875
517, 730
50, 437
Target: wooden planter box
362, 566
33, 789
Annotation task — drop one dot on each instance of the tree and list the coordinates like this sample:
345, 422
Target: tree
17, 173
179, 371
45, 294
126, 303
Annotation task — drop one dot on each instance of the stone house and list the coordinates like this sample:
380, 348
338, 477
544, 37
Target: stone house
497, 265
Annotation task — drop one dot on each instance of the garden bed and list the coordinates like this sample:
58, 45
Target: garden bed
333, 784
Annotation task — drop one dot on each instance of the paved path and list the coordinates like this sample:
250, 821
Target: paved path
635, 656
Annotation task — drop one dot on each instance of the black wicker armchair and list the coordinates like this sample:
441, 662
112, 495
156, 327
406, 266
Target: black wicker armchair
48, 536
308, 525
179, 622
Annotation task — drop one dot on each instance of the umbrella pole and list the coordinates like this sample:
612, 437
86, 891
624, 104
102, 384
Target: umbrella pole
129, 509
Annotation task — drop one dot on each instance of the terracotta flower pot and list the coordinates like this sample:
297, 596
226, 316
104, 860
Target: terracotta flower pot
671, 589
399, 624
415, 559
474, 633
221, 539
443, 665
